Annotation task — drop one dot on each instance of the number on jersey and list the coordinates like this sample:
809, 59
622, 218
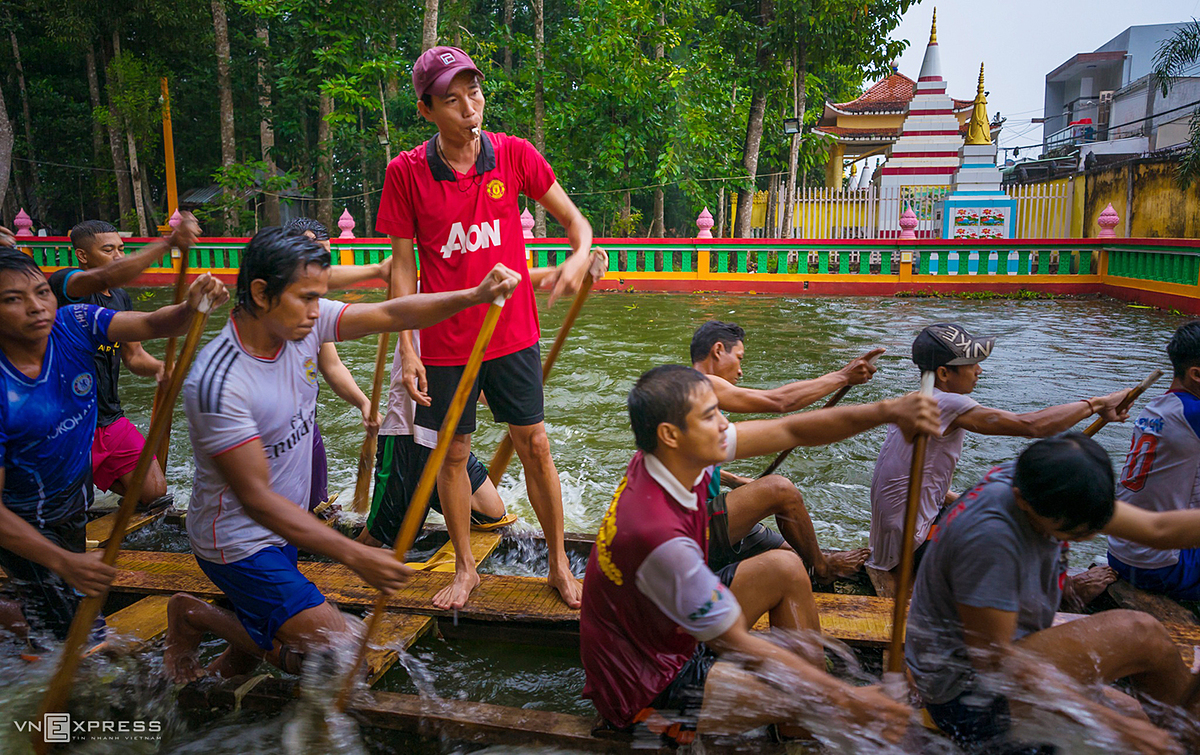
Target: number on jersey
1139, 462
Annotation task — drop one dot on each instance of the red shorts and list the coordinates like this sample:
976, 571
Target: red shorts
115, 451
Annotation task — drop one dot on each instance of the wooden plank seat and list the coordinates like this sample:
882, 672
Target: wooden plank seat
1160, 607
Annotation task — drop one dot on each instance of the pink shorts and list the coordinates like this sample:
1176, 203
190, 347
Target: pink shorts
115, 451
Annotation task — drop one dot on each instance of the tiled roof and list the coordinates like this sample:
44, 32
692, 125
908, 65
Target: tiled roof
891, 95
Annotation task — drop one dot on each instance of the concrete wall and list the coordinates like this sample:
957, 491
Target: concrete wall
1160, 209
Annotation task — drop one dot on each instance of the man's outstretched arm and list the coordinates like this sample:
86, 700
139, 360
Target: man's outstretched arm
793, 396
422, 310
124, 271
913, 414
171, 320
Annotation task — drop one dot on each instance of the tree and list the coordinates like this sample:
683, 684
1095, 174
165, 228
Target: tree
225, 94
6, 148
1174, 56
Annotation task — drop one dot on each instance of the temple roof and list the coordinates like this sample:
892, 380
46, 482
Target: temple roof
889, 96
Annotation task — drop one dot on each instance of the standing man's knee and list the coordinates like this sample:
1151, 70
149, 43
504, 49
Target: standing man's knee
459, 451
531, 440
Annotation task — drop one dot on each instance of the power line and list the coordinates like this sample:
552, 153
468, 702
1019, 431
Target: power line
68, 165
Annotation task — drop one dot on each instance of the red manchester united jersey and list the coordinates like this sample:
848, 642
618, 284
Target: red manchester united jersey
463, 224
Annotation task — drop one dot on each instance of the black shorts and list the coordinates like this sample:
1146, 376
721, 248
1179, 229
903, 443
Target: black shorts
721, 552
681, 699
398, 465
980, 723
46, 599
512, 384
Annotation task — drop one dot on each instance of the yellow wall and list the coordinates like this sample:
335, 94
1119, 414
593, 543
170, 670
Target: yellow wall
870, 121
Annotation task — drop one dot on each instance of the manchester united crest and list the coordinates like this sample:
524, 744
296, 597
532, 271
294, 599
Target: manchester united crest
495, 189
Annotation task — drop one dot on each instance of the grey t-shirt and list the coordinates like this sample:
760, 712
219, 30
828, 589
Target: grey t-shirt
985, 554
889, 485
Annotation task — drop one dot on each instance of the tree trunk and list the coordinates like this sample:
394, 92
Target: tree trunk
149, 204
429, 30
266, 131
225, 93
393, 83
539, 101
39, 205
102, 197
754, 127
124, 197
658, 226
143, 231
324, 161
366, 182
799, 74
6, 148
721, 212
508, 33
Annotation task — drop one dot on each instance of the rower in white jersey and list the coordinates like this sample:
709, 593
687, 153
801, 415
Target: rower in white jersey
251, 401
1162, 473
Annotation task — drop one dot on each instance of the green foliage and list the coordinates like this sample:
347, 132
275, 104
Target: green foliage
621, 120
1173, 58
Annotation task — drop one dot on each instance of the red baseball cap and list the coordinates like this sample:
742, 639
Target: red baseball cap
436, 67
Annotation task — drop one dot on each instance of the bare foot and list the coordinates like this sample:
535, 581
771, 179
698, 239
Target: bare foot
181, 663
839, 564
569, 588
456, 595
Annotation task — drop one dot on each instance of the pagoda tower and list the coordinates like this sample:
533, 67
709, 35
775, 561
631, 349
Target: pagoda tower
978, 208
924, 159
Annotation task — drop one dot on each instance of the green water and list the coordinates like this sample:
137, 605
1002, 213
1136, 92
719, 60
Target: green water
1047, 352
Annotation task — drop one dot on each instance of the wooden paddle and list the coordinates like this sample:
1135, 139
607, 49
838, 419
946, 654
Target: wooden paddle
833, 400
895, 664
163, 447
1136, 391
504, 451
366, 457
89, 608
411, 525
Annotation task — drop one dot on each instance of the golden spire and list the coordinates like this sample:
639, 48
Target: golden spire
933, 30
978, 132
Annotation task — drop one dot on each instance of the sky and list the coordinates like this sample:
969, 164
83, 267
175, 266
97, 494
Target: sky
1019, 42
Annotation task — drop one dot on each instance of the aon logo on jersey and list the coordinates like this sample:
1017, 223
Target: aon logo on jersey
477, 236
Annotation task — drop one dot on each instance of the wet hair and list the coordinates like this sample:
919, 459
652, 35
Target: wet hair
16, 261
297, 227
664, 394
84, 232
275, 256
1184, 348
1068, 478
714, 332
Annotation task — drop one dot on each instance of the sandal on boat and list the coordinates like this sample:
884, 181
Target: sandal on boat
503, 521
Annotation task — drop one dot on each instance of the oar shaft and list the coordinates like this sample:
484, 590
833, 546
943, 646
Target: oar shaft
503, 455
415, 515
366, 456
163, 447
1137, 391
89, 608
916, 474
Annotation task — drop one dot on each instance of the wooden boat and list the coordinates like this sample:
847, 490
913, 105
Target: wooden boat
503, 608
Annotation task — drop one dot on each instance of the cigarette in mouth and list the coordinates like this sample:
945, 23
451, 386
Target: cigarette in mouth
475, 131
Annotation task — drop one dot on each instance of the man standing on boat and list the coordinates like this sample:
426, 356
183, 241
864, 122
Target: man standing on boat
456, 196
658, 625
737, 532
251, 404
1162, 473
48, 408
981, 641
953, 355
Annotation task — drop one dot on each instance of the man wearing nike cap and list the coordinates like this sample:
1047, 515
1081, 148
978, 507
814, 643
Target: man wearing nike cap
953, 355
456, 196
